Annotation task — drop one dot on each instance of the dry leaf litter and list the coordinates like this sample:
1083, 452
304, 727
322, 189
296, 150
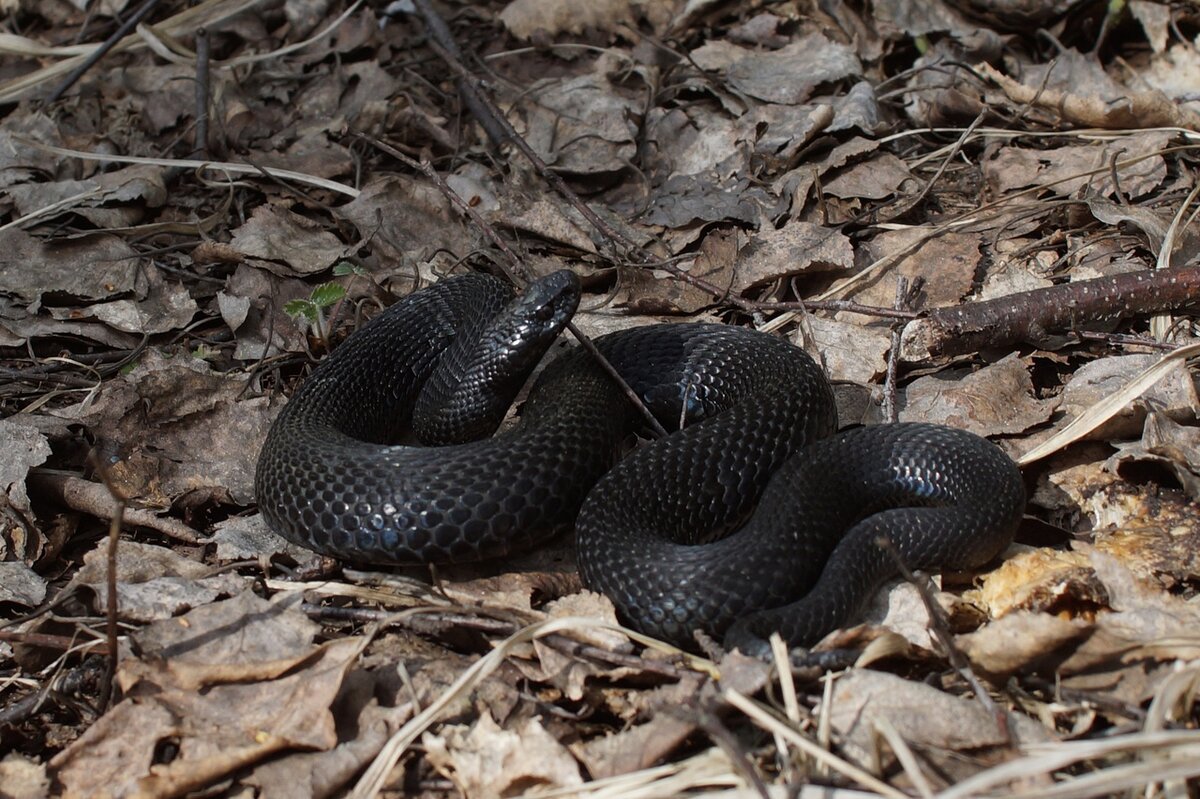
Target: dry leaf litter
980, 214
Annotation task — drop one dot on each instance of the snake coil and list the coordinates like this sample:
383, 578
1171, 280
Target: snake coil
754, 517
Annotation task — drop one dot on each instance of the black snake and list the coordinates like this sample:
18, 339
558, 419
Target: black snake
720, 527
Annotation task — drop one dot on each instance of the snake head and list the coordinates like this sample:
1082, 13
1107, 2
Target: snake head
544, 309
478, 377
522, 332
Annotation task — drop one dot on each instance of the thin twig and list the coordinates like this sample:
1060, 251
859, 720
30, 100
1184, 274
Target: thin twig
939, 629
130, 22
421, 620
200, 140
719, 734
547, 174
88, 497
485, 113
890, 411
518, 269
110, 607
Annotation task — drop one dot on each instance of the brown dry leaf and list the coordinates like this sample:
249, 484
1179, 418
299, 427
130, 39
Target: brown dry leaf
795, 186
20, 584
919, 19
524, 18
682, 201
286, 243
1067, 171
780, 132
487, 762
313, 775
1155, 20
846, 350
877, 178
312, 154
1165, 443
653, 291
1045, 580
1153, 532
266, 689
1021, 642
947, 264
763, 29
1012, 272
248, 537
109, 200
567, 672
22, 778
399, 241
509, 591
154, 582
95, 267
162, 90
583, 125
790, 74
162, 307
22, 325
1175, 395
182, 425
252, 305
1173, 70
672, 712
1069, 480
20, 158
591, 605
899, 609
696, 140
1152, 225
941, 726
548, 219
941, 90
795, 248
642, 745
996, 400
1141, 109
24, 447
1145, 623
1141, 610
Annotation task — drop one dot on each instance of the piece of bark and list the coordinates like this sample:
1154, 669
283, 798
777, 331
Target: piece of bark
1032, 316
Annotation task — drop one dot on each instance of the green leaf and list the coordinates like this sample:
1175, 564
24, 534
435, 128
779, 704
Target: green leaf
343, 268
204, 352
327, 294
305, 308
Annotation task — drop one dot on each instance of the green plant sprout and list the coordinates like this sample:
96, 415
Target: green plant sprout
313, 309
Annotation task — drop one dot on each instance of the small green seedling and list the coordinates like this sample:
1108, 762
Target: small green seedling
322, 297
313, 308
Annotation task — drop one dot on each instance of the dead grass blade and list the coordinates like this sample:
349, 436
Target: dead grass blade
188, 163
766, 720
375, 777
1110, 406
207, 13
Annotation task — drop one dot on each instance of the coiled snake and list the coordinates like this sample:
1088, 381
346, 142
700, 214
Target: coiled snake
754, 517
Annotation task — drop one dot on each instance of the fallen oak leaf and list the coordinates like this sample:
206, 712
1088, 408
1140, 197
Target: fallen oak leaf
1148, 109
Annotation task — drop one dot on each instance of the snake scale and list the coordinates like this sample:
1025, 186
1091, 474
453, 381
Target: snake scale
755, 516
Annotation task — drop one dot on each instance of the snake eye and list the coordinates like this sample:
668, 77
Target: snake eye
544, 313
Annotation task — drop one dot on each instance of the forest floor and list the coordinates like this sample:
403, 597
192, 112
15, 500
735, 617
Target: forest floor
980, 214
